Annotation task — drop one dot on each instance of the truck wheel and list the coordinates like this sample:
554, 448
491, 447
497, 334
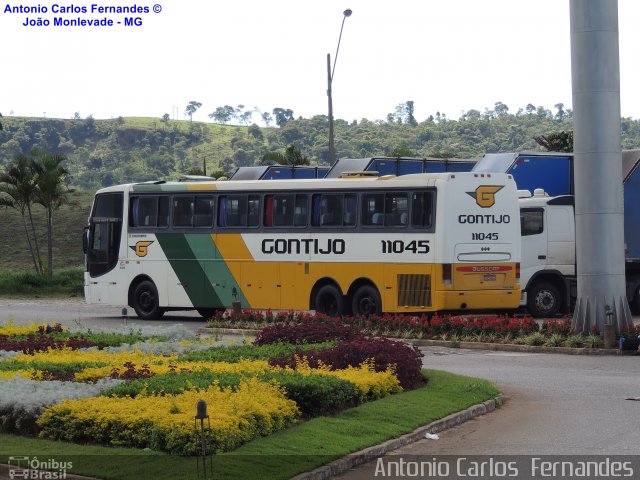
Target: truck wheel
146, 302
366, 301
329, 301
543, 300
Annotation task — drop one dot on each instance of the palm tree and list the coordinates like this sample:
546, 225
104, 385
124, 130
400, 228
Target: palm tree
52, 191
291, 157
17, 184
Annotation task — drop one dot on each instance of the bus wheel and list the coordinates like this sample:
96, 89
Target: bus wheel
329, 301
145, 301
543, 300
366, 301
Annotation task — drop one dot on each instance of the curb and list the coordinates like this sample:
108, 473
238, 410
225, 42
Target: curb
509, 347
504, 347
344, 464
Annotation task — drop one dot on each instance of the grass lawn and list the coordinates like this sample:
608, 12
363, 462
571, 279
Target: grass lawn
283, 454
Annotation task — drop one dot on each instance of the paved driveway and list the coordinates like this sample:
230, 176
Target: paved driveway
556, 405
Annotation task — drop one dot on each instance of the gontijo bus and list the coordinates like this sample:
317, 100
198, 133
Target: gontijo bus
361, 245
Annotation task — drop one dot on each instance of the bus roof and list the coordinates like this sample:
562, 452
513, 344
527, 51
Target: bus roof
387, 181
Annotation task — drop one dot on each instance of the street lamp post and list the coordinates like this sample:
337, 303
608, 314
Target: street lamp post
330, 72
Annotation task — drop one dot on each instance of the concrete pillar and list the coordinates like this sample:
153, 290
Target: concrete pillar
595, 78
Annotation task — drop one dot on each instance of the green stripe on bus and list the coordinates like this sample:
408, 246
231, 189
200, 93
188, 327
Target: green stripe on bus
217, 274
204, 275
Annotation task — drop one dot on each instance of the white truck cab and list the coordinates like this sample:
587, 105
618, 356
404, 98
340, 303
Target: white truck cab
548, 266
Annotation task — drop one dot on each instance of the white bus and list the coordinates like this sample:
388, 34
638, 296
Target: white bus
356, 245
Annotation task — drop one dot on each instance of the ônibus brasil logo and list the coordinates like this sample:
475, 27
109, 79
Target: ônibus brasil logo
485, 195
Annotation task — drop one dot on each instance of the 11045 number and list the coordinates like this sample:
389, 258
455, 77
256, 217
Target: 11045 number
484, 236
400, 246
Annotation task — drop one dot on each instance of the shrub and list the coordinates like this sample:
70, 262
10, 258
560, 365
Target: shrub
306, 332
316, 395
236, 353
534, 339
404, 359
574, 341
174, 383
165, 423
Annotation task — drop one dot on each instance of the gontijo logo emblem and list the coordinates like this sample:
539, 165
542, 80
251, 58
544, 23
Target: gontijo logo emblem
485, 195
141, 248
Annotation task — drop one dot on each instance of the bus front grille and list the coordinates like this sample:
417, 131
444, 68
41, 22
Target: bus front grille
414, 290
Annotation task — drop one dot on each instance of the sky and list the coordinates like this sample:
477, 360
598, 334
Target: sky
446, 56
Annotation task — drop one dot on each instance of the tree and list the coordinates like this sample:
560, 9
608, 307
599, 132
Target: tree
282, 116
191, 109
561, 114
557, 141
292, 157
18, 190
245, 117
51, 179
223, 114
266, 118
0, 122
401, 152
165, 118
411, 120
500, 109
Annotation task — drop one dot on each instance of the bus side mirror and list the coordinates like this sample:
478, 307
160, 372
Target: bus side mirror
85, 240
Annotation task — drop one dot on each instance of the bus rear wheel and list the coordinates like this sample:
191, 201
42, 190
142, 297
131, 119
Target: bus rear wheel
366, 301
146, 301
329, 300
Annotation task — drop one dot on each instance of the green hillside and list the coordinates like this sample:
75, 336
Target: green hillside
122, 150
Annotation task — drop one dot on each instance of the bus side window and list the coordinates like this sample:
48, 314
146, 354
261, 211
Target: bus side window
373, 209
396, 209
203, 211
350, 210
253, 215
422, 210
144, 211
182, 211
301, 210
163, 212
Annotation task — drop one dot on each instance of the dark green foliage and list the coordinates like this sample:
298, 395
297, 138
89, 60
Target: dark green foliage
247, 352
64, 282
174, 383
317, 395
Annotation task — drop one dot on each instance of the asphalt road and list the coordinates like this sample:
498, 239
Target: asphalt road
76, 311
556, 405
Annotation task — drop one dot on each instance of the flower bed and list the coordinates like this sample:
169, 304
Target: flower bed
145, 395
452, 328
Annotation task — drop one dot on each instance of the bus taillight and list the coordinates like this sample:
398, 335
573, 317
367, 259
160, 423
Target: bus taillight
517, 271
446, 274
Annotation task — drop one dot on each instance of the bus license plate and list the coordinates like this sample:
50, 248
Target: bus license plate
489, 278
